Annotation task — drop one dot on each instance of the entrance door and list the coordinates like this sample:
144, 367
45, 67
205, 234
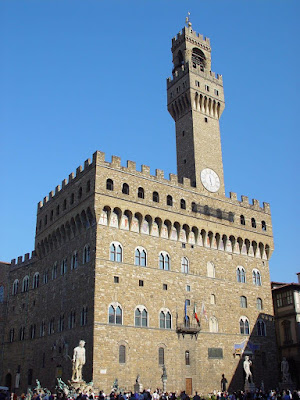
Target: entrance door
8, 380
188, 386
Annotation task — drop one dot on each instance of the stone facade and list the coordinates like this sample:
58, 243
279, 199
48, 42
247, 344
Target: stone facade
123, 259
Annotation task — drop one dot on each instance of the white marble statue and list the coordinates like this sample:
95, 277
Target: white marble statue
247, 364
78, 361
286, 377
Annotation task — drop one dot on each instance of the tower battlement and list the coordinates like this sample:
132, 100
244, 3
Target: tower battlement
22, 261
188, 31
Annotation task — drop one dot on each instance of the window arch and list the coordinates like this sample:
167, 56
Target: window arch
140, 257
242, 220
211, 270
11, 335
256, 277
198, 58
42, 328
184, 265
161, 356
54, 271
36, 280
83, 316
46, 277
141, 316
15, 287
253, 223
212, 299
86, 254
80, 193
261, 328
213, 325
155, 197
263, 225
63, 266
115, 314
169, 200
116, 252
74, 260
187, 357
244, 326
109, 184
125, 188
164, 261
122, 354
25, 284
165, 319
241, 274
141, 193
182, 204
259, 304
22, 333
243, 301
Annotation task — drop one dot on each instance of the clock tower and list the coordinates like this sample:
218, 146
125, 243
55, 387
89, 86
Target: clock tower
196, 102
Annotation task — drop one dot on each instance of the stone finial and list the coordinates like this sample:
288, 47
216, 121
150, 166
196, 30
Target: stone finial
187, 20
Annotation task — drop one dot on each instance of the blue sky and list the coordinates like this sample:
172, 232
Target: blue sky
78, 76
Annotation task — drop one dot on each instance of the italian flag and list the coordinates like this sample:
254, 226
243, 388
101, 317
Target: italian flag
195, 314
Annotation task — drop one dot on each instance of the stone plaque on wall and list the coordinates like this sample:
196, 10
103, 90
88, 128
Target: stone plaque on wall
215, 352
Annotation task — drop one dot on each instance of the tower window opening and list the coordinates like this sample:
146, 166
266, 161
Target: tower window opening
155, 197
253, 223
207, 88
205, 119
198, 58
263, 225
125, 188
141, 193
183, 133
182, 204
216, 92
184, 161
242, 219
169, 200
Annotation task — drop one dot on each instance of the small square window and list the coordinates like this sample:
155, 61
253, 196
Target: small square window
205, 119
188, 288
183, 133
188, 302
183, 245
184, 161
116, 279
141, 283
207, 88
192, 246
216, 92
165, 286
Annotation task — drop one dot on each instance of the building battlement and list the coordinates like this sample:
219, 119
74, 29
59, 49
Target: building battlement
23, 260
99, 159
188, 31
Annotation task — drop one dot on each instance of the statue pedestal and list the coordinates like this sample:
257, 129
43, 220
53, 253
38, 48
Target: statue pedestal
287, 386
249, 387
138, 387
164, 382
81, 385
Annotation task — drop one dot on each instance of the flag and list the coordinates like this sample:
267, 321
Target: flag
203, 311
195, 314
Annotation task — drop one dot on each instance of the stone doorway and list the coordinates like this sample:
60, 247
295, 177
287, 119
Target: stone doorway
188, 386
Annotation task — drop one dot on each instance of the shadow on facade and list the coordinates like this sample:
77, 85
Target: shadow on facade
261, 348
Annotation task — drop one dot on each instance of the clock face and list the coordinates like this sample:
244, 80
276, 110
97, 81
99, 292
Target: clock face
210, 180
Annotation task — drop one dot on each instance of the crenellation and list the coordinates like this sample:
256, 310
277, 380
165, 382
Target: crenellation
40, 205
87, 163
255, 203
13, 262
78, 170
20, 259
233, 196
115, 161
245, 199
64, 183
159, 173
145, 170
173, 178
57, 189
51, 194
71, 177
186, 182
131, 166
45, 200
266, 207
26, 257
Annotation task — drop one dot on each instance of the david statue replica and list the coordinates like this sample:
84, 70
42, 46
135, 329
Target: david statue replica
78, 361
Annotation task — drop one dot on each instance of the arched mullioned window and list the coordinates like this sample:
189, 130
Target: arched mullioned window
261, 328
109, 184
63, 267
115, 314
241, 274
165, 319
164, 261
25, 284
213, 325
243, 302
86, 254
244, 326
253, 223
54, 271
155, 197
169, 200
198, 58
187, 357
259, 304
15, 287
116, 252
256, 277
122, 354
182, 204
242, 220
141, 193
36, 280
141, 316
140, 257
161, 356
46, 277
184, 265
125, 188
74, 260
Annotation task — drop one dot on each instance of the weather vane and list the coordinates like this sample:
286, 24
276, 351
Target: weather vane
187, 20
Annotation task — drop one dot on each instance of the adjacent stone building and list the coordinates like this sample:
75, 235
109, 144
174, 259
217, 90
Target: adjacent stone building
149, 270
286, 299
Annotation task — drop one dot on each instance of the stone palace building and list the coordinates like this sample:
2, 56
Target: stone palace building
148, 270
